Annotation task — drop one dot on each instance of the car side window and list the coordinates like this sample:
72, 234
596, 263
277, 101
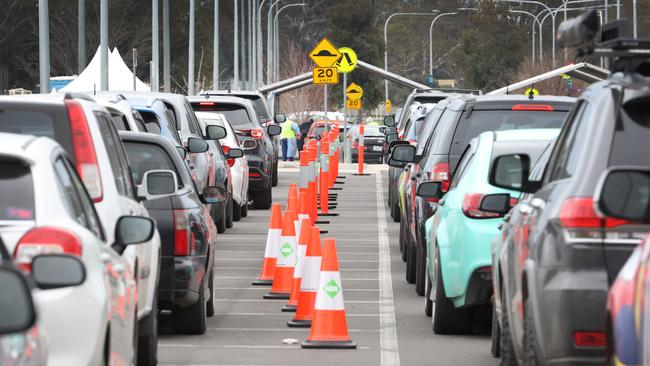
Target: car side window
195, 128
119, 164
92, 220
68, 192
565, 158
465, 160
537, 172
139, 121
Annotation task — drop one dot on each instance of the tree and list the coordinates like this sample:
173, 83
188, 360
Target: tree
492, 47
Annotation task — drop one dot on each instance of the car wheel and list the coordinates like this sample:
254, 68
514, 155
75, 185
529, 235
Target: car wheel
411, 257
402, 241
209, 306
445, 317
274, 176
420, 263
221, 222
262, 200
148, 337
428, 302
244, 209
136, 336
390, 192
506, 348
495, 338
236, 211
191, 319
394, 211
530, 347
229, 212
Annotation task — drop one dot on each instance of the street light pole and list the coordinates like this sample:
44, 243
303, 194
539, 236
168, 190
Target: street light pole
546, 8
431, 42
276, 26
235, 47
190, 63
269, 43
166, 56
81, 36
433, 12
215, 47
44, 45
154, 45
259, 54
103, 37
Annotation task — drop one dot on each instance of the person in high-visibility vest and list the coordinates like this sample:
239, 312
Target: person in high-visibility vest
290, 132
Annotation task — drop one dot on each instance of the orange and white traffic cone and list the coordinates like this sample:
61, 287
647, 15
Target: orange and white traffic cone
309, 281
329, 327
303, 240
283, 278
293, 192
272, 247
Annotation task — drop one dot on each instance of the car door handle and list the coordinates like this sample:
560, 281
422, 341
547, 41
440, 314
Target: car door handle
500, 226
538, 203
105, 257
441, 202
506, 218
525, 209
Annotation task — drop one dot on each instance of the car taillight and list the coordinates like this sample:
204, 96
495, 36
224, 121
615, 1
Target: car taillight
207, 104
589, 339
254, 174
183, 236
533, 107
257, 133
472, 202
579, 212
84, 151
440, 172
45, 240
225, 148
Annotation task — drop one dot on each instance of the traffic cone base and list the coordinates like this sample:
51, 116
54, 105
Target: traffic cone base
299, 323
268, 270
289, 308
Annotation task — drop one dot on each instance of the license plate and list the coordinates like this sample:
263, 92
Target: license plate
377, 148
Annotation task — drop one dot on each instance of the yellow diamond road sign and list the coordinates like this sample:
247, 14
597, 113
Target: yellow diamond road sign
354, 92
348, 60
324, 54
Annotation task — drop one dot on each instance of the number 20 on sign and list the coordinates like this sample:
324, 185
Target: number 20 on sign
353, 104
325, 75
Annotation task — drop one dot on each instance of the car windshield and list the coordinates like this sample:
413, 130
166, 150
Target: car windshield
235, 114
144, 157
16, 184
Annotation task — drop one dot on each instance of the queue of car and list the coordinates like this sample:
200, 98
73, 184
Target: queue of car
531, 211
110, 213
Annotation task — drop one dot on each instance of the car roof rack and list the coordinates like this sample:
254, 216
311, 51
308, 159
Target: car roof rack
74, 95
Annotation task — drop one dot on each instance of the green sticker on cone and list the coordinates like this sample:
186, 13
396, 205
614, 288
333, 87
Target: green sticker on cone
332, 289
286, 250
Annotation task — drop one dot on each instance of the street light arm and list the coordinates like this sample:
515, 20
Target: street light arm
431, 39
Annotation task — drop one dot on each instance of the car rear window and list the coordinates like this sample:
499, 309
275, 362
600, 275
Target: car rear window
144, 157
629, 146
235, 114
16, 183
29, 119
480, 121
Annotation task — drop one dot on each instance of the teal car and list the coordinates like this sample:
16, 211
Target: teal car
459, 235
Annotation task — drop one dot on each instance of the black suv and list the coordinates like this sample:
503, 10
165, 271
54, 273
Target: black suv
560, 255
464, 117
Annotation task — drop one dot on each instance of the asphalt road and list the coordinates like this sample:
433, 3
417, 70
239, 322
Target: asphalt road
385, 317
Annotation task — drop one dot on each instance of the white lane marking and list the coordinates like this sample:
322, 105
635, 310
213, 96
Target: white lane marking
341, 269
389, 355
266, 289
257, 259
252, 278
285, 314
261, 300
171, 345
262, 251
280, 330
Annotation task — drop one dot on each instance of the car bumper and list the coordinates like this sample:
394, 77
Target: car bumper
181, 278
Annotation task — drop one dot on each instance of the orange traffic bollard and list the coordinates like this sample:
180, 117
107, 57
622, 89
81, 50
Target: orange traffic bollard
297, 272
272, 247
309, 281
283, 277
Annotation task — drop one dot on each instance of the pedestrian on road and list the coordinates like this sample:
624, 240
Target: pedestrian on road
290, 132
304, 129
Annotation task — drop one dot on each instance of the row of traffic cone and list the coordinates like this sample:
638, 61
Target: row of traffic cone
300, 271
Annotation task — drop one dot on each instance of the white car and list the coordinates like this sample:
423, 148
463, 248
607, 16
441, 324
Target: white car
47, 210
85, 130
238, 167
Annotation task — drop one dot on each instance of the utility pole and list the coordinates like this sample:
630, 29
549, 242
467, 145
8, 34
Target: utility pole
154, 46
44, 45
215, 48
190, 65
166, 56
81, 36
103, 37
235, 47
242, 44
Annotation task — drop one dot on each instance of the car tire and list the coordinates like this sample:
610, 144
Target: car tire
244, 209
530, 347
495, 334
148, 337
506, 347
274, 175
209, 306
221, 222
263, 200
394, 211
236, 212
390, 192
445, 318
420, 263
191, 319
411, 257
428, 303
402, 241
229, 212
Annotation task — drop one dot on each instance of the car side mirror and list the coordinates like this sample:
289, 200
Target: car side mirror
401, 154
430, 189
498, 203
157, 183
279, 118
389, 121
131, 230
213, 194
214, 132
248, 144
273, 130
18, 313
235, 153
510, 172
391, 137
196, 145
389, 130
51, 271
624, 193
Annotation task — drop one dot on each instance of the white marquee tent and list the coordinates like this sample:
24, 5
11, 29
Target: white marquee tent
120, 77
